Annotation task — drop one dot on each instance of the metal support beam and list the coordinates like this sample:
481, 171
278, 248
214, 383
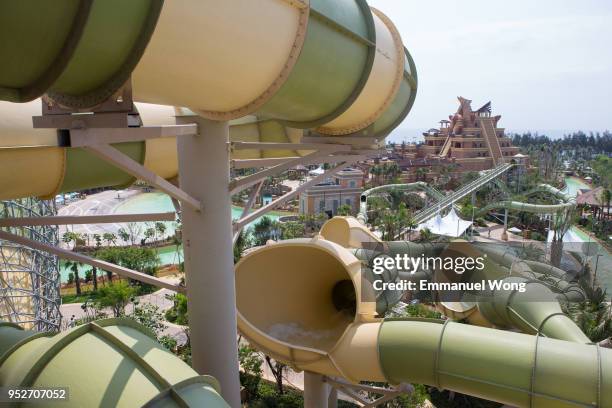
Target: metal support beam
247, 208
128, 165
240, 184
204, 172
98, 136
351, 390
263, 210
107, 266
290, 146
256, 163
350, 140
86, 219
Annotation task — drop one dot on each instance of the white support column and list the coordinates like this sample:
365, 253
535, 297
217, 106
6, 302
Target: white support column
504, 235
332, 400
316, 391
204, 172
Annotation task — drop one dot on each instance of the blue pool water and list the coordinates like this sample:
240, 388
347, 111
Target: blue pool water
153, 203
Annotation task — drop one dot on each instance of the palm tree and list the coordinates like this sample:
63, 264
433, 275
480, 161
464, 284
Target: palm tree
109, 237
160, 227
74, 267
264, 230
411, 224
420, 173
594, 315
426, 235
606, 197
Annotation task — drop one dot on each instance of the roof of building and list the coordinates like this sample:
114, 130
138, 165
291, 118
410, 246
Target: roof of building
450, 225
591, 197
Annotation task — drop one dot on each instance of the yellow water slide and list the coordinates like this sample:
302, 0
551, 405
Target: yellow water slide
320, 315
273, 66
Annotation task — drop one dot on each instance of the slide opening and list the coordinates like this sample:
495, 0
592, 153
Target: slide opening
309, 295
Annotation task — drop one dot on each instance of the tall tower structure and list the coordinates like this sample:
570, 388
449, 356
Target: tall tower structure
29, 278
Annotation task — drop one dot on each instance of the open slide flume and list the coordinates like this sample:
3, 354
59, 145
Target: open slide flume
321, 315
313, 322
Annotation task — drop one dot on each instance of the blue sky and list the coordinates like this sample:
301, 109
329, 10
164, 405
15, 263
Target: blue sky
546, 65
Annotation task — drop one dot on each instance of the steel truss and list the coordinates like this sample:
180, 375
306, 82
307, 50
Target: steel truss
29, 278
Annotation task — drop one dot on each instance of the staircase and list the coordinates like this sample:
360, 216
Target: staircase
446, 147
449, 200
490, 136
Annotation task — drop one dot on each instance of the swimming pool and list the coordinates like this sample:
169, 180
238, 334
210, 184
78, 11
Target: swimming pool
153, 203
573, 184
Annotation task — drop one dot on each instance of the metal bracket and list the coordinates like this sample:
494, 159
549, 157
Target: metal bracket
240, 184
290, 146
125, 163
98, 136
85, 219
256, 214
107, 266
247, 208
352, 390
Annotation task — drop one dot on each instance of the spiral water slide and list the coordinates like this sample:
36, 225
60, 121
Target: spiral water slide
537, 310
567, 202
322, 315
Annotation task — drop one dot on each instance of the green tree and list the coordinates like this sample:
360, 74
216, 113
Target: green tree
109, 254
594, 315
251, 371
344, 210
124, 235
149, 233
110, 238
292, 229
264, 230
160, 227
242, 242
149, 316
74, 267
116, 296
98, 240
70, 236
602, 166
178, 313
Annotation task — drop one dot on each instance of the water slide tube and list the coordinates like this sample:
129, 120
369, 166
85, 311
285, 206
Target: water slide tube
567, 202
34, 163
362, 216
537, 310
336, 66
306, 323
123, 364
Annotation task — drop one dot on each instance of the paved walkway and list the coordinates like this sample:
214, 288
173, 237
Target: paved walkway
158, 298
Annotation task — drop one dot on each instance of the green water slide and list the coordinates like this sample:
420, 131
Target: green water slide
107, 363
310, 323
339, 68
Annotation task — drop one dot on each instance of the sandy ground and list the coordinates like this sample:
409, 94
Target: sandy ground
96, 204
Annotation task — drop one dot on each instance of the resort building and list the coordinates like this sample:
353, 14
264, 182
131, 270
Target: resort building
471, 139
342, 189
